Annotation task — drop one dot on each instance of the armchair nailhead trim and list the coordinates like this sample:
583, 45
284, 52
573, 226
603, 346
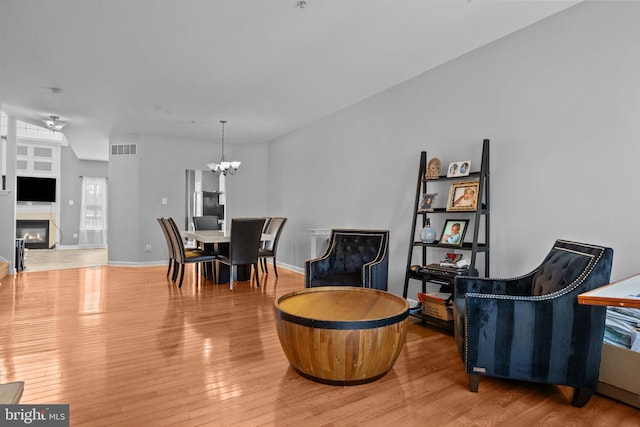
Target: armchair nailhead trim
379, 258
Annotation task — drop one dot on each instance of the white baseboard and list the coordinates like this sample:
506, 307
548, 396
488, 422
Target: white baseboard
289, 267
164, 263
63, 247
136, 264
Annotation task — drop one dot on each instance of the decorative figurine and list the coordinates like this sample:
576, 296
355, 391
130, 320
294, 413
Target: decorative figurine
433, 169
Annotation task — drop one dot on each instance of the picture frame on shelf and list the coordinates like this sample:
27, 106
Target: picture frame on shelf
463, 196
453, 233
457, 169
427, 202
433, 169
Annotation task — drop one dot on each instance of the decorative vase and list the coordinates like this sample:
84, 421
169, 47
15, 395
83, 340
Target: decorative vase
428, 234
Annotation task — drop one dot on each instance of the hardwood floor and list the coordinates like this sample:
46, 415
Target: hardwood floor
125, 347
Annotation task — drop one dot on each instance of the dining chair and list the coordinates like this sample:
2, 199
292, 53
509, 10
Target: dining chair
267, 220
182, 256
170, 249
269, 248
207, 222
264, 231
166, 230
244, 246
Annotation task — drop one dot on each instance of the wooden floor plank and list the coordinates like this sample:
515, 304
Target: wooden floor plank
125, 347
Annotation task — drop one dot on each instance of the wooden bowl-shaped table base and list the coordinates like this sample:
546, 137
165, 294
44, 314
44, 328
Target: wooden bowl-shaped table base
341, 335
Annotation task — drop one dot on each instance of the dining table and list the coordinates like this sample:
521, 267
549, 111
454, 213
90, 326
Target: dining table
217, 237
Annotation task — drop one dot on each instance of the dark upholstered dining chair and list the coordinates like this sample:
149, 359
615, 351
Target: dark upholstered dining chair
269, 248
183, 256
531, 328
170, 249
207, 222
244, 246
354, 258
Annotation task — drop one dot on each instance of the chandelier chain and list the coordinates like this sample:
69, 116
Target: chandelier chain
223, 167
222, 156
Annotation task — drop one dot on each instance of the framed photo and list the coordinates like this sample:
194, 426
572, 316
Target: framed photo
453, 232
463, 196
433, 169
459, 169
426, 204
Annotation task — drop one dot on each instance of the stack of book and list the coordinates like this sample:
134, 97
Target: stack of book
461, 263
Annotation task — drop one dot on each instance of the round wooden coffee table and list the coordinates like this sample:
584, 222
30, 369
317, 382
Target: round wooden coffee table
341, 335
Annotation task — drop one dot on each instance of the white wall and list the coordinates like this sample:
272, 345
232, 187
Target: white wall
560, 101
247, 189
8, 201
8, 213
124, 201
137, 185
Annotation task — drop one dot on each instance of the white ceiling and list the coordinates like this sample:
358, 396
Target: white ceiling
176, 67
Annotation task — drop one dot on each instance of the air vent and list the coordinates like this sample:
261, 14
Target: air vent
124, 149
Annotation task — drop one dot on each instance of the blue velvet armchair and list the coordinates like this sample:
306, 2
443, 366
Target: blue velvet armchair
354, 258
532, 328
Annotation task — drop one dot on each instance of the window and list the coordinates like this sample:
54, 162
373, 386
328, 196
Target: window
93, 212
93, 206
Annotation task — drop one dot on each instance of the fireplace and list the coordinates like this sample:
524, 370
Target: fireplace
35, 233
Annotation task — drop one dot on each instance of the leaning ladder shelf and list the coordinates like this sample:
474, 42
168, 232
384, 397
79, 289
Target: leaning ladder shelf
479, 220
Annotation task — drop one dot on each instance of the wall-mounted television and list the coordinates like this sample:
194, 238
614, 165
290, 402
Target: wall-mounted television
35, 189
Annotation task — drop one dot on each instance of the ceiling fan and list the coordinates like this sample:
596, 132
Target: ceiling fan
53, 124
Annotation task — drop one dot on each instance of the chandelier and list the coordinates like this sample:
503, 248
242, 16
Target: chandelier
223, 167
